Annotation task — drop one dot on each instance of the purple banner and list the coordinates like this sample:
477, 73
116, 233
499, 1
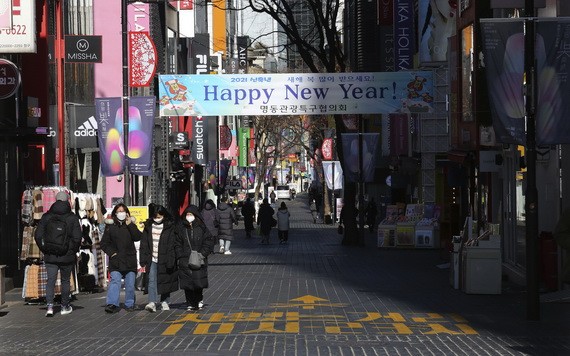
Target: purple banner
224, 169
110, 127
350, 147
212, 173
141, 124
503, 46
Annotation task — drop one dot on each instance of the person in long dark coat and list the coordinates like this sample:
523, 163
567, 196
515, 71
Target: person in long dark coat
118, 242
192, 230
158, 257
227, 220
248, 213
265, 220
211, 217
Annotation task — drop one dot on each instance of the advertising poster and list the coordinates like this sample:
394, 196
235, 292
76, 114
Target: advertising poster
350, 143
110, 129
296, 94
18, 27
141, 124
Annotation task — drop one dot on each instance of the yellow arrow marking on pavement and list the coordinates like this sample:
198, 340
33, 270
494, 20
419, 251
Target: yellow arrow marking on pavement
308, 302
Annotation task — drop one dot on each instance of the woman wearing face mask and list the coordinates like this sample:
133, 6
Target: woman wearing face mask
193, 233
158, 257
118, 242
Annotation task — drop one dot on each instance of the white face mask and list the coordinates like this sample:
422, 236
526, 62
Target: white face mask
121, 215
158, 221
190, 218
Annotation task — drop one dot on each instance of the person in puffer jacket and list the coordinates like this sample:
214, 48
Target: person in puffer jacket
227, 220
211, 217
118, 242
64, 263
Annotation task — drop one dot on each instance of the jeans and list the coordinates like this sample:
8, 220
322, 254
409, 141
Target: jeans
65, 275
153, 286
114, 289
225, 244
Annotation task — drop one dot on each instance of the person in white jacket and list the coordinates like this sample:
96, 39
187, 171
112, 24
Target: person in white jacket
283, 216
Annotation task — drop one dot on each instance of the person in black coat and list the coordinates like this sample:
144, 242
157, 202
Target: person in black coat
248, 213
193, 234
227, 220
211, 217
158, 257
265, 220
64, 264
118, 242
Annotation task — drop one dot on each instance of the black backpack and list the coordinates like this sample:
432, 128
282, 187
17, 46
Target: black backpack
56, 239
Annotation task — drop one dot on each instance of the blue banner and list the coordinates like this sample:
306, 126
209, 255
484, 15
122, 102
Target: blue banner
350, 149
296, 94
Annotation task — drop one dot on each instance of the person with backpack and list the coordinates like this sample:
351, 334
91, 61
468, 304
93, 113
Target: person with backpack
158, 257
227, 220
283, 216
118, 242
58, 236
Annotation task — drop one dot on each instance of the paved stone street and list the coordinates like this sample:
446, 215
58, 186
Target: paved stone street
312, 296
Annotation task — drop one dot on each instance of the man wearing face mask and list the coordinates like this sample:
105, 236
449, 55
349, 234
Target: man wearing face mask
158, 257
192, 234
118, 242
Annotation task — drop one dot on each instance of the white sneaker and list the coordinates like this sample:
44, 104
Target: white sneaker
151, 307
228, 252
49, 312
164, 306
222, 249
201, 304
66, 310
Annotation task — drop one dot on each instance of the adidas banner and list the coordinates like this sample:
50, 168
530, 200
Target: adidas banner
82, 126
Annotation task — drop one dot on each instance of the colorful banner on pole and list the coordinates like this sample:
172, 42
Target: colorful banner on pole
503, 46
243, 141
141, 124
296, 94
110, 128
109, 115
350, 147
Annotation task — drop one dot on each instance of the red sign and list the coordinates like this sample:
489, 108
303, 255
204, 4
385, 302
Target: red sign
142, 58
327, 149
9, 79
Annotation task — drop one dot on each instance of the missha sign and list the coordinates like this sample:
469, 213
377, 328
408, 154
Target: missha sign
83, 49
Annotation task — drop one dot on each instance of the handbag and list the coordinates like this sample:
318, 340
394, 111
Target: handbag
195, 260
340, 229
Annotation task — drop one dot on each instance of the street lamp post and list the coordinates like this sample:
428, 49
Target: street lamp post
124, 29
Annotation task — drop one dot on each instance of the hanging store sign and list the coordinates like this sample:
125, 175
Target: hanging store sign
19, 35
83, 49
9, 79
296, 94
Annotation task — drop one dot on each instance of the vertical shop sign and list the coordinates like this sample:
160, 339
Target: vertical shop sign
242, 44
199, 140
403, 34
199, 54
141, 124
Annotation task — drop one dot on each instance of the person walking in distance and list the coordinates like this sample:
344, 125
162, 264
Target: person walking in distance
265, 220
211, 217
118, 242
58, 236
248, 213
283, 216
227, 220
192, 234
158, 257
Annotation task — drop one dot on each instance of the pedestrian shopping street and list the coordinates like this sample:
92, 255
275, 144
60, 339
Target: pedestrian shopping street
312, 296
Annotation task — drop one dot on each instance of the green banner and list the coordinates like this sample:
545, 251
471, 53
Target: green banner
243, 146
